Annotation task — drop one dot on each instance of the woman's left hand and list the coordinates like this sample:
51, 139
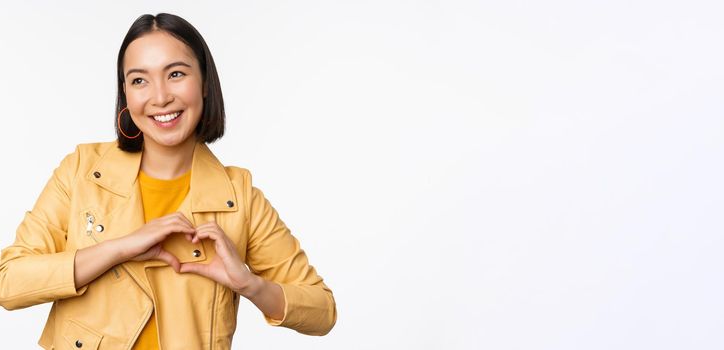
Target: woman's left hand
226, 267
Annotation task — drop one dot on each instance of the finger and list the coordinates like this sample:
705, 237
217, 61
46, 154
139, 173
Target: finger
176, 218
189, 236
183, 218
170, 259
207, 224
167, 227
224, 246
181, 228
212, 227
167, 230
197, 238
205, 232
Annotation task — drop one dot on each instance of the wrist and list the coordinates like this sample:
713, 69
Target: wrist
253, 288
119, 253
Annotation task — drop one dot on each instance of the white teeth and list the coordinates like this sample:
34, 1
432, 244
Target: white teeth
166, 117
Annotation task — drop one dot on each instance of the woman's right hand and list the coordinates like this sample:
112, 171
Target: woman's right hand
145, 243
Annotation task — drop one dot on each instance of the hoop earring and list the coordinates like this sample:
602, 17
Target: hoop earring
121, 129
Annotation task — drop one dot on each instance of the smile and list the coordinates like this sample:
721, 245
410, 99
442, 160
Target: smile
165, 118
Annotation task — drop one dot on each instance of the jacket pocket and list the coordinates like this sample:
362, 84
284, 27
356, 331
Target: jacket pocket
79, 336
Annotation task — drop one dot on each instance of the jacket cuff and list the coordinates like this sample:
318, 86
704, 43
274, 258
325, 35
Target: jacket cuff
307, 309
65, 269
59, 281
275, 322
72, 290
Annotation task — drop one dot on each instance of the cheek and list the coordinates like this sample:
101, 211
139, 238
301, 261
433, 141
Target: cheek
192, 97
135, 103
191, 93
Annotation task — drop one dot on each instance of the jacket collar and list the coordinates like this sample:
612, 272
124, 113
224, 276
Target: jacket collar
210, 188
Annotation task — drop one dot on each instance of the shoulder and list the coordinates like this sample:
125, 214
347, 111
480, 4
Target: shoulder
85, 155
91, 150
236, 173
241, 180
80, 160
94, 149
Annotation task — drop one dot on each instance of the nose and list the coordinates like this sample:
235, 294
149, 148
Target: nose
161, 95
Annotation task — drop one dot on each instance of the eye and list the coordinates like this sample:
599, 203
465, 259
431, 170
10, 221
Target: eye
175, 75
136, 81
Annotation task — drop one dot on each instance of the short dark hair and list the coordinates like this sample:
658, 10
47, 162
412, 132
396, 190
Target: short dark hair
211, 124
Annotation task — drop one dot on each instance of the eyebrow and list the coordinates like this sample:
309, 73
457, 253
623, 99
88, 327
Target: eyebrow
170, 65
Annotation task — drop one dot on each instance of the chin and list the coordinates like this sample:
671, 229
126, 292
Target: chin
168, 141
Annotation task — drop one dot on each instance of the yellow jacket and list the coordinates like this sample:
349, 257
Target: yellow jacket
93, 196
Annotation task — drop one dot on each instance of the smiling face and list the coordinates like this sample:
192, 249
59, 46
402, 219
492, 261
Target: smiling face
164, 89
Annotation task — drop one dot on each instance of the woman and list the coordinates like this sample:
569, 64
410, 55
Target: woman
144, 242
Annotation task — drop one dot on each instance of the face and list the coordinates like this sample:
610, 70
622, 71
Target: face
164, 88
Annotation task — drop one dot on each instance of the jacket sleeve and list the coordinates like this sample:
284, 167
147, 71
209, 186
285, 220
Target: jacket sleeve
36, 268
274, 254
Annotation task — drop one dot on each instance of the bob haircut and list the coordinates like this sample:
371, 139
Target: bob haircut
211, 125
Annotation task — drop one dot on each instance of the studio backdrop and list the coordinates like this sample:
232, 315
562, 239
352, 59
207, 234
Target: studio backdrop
462, 174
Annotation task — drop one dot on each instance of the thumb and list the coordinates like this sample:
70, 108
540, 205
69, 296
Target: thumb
199, 269
169, 258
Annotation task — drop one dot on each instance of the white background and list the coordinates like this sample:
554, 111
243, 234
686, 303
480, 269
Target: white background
464, 175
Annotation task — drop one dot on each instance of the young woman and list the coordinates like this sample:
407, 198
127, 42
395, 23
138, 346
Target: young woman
144, 242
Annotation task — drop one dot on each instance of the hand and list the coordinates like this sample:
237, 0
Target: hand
226, 267
145, 243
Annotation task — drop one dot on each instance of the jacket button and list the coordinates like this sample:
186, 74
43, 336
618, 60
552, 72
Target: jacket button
99, 228
229, 204
197, 253
96, 174
78, 344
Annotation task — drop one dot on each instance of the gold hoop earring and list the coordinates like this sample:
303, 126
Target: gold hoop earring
121, 128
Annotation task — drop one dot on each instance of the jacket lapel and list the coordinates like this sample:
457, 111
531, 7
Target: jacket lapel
210, 188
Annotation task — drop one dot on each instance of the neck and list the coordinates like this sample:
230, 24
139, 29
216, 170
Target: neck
164, 162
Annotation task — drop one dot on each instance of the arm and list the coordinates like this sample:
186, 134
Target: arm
37, 268
93, 261
276, 256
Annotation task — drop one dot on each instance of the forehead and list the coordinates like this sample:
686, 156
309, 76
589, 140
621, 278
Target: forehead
155, 50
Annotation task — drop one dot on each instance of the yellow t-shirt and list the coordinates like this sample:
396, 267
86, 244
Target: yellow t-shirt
160, 197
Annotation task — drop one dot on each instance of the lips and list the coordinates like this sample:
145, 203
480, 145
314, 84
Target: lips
166, 117
167, 120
